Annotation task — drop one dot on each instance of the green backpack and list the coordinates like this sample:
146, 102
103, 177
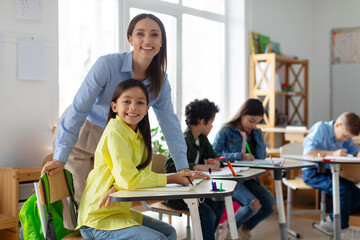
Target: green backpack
30, 218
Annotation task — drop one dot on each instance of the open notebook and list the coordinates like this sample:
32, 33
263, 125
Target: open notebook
171, 187
226, 171
343, 158
260, 162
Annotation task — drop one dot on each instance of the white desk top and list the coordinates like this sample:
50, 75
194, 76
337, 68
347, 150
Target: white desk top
319, 160
288, 164
243, 175
203, 190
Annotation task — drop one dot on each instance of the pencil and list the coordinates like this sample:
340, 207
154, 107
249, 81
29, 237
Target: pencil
190, 181
247, 147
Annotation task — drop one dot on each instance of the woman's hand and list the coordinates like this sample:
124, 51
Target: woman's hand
340, 152
106, 198
53, 167
198, 175
181, 178
216, 163
205, 167
247, 157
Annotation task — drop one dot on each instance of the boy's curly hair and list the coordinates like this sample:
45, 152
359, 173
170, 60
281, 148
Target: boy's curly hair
200, 109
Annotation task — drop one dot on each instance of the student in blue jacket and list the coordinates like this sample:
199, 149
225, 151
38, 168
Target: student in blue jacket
257, 203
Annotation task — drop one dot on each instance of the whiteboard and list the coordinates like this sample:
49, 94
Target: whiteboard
345, 71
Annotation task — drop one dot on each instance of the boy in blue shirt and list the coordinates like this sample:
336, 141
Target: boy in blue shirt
334, 138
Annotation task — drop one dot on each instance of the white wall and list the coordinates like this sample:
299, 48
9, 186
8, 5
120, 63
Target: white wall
28, 108
303, 29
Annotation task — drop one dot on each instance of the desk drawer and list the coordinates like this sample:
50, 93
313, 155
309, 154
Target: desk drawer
26, 190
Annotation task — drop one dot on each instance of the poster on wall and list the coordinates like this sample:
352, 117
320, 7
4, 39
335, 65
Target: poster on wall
345, 70
345, 46
29, 9
31, 58
1, 53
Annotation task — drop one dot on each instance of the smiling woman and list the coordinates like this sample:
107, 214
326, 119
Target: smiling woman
80, 129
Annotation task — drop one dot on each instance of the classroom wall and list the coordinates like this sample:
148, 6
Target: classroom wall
303, 29
28, 108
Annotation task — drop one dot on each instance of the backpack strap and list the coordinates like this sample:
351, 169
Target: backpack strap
50, 231
70, 185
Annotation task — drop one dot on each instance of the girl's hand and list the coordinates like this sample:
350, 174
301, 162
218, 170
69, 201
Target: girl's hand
198, 175
181, 178
205, 167
106, 198
247, 157
216, 163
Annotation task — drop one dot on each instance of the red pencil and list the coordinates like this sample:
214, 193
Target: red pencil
217, 159
231, 168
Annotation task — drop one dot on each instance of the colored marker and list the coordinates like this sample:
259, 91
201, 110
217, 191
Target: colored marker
220, 186
282, 163
215, 187
212, 183
272, 162
190, 181
217, 159
247, 147
231, 168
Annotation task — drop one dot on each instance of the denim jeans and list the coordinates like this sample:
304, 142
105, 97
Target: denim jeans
246, 193
150, 229
349, 192
210, 215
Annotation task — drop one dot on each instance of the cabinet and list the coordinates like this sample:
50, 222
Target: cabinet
12, 181
285, 105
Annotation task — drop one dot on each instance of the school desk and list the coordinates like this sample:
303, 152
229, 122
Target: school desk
335, 169
203, 190
277, 174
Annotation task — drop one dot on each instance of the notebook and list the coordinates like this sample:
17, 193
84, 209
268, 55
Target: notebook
226, 171
171, 187
261, 162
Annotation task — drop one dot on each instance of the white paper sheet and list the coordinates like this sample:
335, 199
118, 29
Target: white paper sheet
226, 171
172, 187
29, 9
31, 58
338, 158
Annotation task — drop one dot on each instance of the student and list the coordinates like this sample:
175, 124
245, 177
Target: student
257, 203
80, 129
334, 138
122, 159
200, 115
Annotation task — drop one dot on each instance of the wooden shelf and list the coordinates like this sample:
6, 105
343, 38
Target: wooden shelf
10, 178
264, 86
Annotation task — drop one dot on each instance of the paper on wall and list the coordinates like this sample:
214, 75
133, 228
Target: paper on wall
31, 58
29, 9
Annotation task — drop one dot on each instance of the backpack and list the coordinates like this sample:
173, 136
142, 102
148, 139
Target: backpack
30, 219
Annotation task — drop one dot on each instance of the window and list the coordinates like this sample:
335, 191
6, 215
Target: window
196, 39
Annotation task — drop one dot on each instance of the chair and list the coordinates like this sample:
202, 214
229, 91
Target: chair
58, 191
292, 183
158, 166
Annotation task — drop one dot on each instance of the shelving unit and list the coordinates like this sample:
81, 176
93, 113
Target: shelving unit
265, 85
11, 180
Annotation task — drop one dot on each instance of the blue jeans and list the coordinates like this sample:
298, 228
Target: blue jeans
245, 194
150, 229
349, 192
210, 215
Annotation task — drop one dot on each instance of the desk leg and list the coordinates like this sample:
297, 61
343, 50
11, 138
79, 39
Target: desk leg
193, 206
280, 204
231, 217
335, 169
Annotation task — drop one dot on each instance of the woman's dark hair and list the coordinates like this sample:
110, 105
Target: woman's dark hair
157, 69
143, 125
200, 109
252, 106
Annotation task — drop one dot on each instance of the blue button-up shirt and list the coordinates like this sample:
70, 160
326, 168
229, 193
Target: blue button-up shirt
321, 137
92, 101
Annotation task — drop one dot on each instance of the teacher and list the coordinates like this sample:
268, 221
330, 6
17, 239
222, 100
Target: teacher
81, 127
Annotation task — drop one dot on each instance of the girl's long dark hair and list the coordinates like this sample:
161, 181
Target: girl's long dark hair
252, 106
157, 69
144, 124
